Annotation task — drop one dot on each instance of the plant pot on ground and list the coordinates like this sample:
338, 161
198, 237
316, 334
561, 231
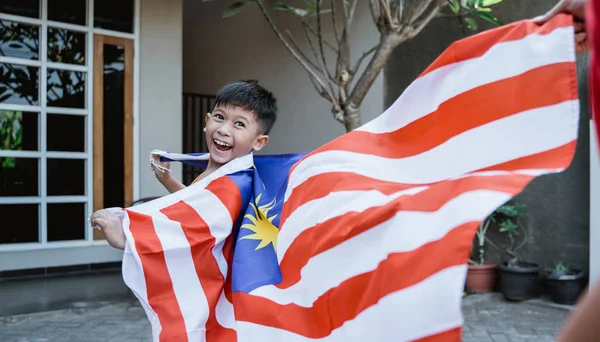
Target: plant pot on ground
565, 284
518, 278
481, 275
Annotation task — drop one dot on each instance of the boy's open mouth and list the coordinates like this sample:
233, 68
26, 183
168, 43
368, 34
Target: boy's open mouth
221, 146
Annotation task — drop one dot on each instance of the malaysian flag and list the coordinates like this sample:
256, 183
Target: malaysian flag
366, 238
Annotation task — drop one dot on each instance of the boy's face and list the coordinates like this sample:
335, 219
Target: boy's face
232, 132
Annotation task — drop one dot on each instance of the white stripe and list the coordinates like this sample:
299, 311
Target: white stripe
415, 312
217, 217
405, 232
224, 312
426, 93
186, 285
319, 210
133, 276
333, 205
519, 135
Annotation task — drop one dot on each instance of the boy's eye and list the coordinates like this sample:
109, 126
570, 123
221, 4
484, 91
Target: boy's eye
219, 116
241, 124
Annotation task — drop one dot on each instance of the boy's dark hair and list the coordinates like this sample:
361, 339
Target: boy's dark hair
248, 94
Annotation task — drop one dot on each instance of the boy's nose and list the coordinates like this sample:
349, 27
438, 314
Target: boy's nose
224, 130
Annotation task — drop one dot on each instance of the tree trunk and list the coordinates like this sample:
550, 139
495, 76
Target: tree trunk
351, 118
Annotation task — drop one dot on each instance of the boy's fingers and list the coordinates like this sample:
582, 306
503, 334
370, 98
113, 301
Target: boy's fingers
542, 19
99, 222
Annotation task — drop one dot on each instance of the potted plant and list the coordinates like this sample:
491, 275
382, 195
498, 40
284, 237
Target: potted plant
565, 284
518, 278
481, 274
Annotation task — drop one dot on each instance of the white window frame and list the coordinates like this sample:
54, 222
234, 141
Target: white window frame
41, 155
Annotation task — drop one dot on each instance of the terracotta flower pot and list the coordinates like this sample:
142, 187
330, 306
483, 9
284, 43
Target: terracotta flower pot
481, 278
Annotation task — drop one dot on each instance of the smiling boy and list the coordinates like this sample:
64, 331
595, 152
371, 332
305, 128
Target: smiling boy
243, 114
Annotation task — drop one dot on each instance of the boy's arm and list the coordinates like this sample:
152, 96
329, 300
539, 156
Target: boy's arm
171, 184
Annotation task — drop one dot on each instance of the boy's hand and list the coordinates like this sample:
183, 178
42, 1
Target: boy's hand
163, 175
576, 8
111, 226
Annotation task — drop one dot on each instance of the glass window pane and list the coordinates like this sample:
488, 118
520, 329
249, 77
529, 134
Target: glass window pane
65, 133
19, 40
19, 130
18, 177
66, 177
66, 221
26, 8
19, 84
114, 125
19, 223
114, 15
66, 88
66, 46
68, 11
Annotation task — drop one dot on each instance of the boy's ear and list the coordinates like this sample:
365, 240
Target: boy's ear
260, 142
206, 117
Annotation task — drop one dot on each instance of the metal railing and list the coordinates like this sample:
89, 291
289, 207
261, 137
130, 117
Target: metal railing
195, 107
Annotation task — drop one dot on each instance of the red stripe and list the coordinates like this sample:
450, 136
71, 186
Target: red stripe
454, 335
344, 302
557, 158
161, 295
229, 194
334, 231
322, 185
478, 45
464, 112
202, 242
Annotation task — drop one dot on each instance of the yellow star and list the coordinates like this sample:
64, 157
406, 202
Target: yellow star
262, 225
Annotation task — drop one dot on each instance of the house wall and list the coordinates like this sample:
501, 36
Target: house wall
219, 50
160, 87
559, 204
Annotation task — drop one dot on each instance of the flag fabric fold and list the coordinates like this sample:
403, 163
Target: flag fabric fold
367, 237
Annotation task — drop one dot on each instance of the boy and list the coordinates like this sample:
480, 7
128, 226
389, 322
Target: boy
242, 117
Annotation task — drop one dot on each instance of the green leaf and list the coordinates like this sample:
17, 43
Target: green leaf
489, 18
486, 3
471, 23
454, 6
235, 8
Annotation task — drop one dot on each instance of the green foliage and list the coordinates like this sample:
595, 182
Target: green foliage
506, 218
468, 10
11, 135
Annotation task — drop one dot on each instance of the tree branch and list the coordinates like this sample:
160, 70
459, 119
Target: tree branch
352, 11
294, 53
295, 45
385, 9
387, 44
362, 57
329, 45
419, 10
375, 13
320, 39
413, 30
334, 22
322, 68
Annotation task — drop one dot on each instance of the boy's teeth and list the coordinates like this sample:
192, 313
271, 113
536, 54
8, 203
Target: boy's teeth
221, 143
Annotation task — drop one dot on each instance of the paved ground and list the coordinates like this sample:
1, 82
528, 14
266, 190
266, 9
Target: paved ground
487, 318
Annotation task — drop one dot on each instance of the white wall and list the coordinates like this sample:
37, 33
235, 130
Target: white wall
160, 86
219, 50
